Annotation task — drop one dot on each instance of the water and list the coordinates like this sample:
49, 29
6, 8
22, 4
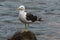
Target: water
49, 10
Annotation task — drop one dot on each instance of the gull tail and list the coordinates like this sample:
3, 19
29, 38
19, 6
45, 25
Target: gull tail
35, 18
39, 19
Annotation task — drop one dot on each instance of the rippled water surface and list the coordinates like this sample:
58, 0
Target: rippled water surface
49, 10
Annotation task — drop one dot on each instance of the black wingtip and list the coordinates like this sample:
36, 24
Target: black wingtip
40, 19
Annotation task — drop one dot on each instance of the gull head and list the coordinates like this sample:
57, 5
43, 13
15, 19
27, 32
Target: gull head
21, 8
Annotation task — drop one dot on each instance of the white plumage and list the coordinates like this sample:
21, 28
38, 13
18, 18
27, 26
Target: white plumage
22, 15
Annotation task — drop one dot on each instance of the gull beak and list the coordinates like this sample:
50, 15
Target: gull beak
19, 9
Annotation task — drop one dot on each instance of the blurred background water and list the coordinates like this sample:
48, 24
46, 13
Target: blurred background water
49, 10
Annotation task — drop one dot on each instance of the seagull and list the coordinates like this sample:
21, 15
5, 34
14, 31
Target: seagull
25, 17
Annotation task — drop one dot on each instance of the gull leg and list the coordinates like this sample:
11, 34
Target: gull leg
26, 29
28, 25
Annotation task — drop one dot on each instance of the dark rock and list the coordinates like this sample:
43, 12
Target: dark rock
23, 36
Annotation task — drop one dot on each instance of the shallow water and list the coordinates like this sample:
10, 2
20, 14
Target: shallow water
49, 10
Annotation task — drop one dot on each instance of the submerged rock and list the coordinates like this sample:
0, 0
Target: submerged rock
23, 36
